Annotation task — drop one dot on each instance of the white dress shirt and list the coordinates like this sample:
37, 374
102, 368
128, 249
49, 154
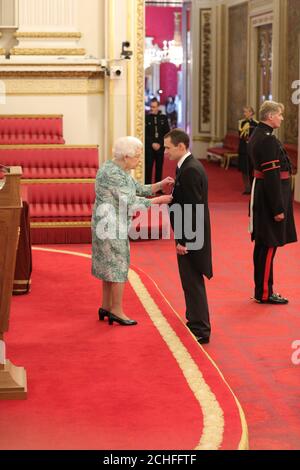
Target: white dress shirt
182, 159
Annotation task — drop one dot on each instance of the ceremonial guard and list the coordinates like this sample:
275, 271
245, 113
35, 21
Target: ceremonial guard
271, 208
157, 127
246, 128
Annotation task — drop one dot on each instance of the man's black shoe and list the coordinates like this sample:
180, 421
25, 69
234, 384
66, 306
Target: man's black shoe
275, 299
202, 339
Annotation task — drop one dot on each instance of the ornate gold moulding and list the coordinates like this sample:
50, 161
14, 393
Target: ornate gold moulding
45, 51
201, 138
55, 35
52, 85
52, 74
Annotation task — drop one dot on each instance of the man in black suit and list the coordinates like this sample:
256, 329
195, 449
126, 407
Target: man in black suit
189, 215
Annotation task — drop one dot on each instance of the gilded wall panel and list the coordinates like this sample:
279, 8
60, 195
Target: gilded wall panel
53, 86
291, 114
205, 71
237, 63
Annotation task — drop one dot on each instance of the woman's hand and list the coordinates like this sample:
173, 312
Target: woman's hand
166, 199
164, 186
167, 184
156, 146
279, 217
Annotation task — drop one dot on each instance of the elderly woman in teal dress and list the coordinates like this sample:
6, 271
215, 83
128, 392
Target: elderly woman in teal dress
118, 196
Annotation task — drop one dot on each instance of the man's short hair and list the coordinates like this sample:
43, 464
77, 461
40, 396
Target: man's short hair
178, 136
154, 100
269, 107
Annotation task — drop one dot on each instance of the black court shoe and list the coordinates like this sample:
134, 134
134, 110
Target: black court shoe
121, 321
103, 313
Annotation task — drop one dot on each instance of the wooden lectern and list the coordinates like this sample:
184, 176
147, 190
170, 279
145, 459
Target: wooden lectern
12, 379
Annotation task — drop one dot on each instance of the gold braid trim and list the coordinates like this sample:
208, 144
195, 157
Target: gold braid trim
70, 224
245, 130
58, 181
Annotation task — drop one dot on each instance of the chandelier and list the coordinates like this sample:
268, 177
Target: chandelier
152, 53
171, 52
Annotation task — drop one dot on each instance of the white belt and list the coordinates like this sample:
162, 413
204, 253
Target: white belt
250, 229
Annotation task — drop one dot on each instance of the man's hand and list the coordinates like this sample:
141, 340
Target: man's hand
181, 250
167, 184
279, 217
156, 146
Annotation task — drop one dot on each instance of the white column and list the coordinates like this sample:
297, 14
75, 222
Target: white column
116, 88
7, 13
125, 95
48, 27
47, 15
2, 352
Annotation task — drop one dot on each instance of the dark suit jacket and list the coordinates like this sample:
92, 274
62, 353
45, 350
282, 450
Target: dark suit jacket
191, 188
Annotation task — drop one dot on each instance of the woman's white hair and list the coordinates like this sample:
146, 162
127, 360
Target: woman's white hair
126, 147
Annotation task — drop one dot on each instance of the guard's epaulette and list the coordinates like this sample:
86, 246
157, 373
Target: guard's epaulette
245, 129
242, 123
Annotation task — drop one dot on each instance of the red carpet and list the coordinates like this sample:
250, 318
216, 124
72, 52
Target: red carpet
251, 344
95, 386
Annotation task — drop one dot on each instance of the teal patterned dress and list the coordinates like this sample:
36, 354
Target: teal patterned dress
116, 198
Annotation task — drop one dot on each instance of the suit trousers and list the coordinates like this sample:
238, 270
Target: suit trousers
193, 285
157, 157
263, 257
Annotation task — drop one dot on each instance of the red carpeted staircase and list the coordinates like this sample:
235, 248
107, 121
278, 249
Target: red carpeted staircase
58, 180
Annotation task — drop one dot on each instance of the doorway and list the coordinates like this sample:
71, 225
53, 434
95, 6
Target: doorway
168, 65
